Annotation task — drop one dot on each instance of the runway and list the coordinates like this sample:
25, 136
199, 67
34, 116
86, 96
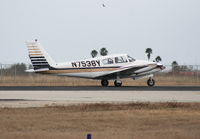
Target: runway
99, 88
48, 96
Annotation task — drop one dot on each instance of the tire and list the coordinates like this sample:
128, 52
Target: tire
151, 82
118, 83
104, 83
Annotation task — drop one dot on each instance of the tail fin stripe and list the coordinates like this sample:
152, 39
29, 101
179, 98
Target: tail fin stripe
32, 46
37, 57
33, 60
34, 49
35, 52
39, 63
38, 60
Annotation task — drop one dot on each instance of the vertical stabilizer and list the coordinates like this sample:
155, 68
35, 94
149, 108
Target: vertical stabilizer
38, 56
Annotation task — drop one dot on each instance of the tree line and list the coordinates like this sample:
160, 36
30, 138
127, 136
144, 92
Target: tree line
14, 69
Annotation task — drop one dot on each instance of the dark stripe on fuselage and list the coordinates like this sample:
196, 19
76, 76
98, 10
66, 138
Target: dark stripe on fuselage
85, 68
52, 68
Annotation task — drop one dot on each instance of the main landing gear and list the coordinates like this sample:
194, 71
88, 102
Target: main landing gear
105, 83
151, 82
118, 83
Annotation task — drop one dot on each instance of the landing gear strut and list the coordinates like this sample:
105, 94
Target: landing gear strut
151, 82
104, 83
118, 83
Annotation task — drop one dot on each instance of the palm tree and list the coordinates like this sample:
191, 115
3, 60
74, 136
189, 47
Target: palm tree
158, 59
149, 52
94, 53
174, 63
103, 51
175, 66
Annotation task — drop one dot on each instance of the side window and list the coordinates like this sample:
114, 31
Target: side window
120, 59
125, 60
110, 61
107, 61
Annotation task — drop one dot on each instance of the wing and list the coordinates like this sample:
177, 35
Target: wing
122, 72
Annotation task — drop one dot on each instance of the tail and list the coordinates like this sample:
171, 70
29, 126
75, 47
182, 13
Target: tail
40, 59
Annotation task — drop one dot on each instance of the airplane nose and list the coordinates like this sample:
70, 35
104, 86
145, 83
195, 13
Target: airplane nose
161, 66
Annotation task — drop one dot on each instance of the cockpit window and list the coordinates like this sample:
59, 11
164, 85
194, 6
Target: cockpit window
107, 61
130, 59
120, 59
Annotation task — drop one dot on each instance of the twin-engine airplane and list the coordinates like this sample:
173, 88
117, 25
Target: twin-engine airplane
104, 68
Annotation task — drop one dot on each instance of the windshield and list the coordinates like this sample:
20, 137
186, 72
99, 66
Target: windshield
130, 59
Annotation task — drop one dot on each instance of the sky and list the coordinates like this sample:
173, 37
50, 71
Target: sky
70, 29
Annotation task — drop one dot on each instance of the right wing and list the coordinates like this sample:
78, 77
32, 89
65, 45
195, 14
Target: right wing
122, 72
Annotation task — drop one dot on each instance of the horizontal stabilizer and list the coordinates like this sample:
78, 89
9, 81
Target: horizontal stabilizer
30, 70
38, 70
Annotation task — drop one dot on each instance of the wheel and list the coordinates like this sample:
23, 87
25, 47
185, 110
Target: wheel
151, 82
118, 83
104, 83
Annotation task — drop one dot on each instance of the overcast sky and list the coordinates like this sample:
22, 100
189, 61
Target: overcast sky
70, 29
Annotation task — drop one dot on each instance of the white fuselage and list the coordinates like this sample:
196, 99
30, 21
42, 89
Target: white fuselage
101, 66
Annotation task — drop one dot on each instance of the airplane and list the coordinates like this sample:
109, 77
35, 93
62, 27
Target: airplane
104, 68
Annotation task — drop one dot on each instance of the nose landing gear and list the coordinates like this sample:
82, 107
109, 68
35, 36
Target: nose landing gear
151, 82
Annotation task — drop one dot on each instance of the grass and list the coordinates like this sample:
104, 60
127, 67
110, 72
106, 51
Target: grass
103, 121
45, 80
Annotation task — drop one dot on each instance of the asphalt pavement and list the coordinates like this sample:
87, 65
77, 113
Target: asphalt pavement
99, 88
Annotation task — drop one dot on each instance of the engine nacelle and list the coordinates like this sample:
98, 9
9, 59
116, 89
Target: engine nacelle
142, 76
